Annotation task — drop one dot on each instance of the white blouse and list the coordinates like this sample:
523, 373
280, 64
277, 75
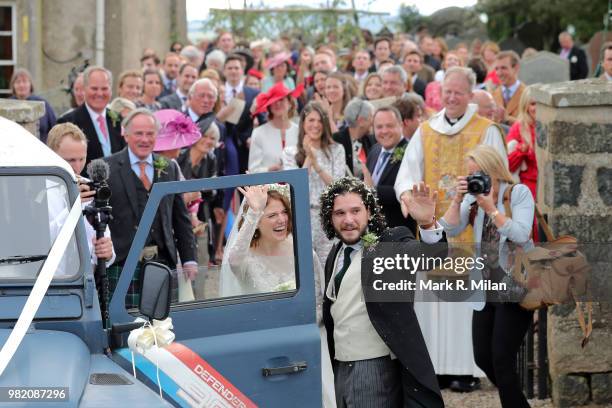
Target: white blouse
267, 147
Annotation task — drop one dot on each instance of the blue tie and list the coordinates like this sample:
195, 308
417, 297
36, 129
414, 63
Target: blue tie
380, 165
507, 95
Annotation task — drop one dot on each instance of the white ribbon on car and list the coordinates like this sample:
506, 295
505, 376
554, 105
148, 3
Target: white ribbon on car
41, 285
158, 334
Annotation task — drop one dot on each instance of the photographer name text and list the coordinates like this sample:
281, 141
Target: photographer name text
446, 285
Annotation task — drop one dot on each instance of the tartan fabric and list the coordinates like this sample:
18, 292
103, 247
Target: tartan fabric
132, 298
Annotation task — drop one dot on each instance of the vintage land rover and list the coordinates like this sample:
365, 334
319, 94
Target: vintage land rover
259, 349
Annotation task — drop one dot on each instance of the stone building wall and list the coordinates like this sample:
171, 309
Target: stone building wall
55, 36
574, 151
26, 113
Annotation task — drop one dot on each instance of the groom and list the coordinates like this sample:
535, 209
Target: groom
378, 352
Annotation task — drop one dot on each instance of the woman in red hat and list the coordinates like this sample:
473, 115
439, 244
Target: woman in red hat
269, 140
279, 67
254, 78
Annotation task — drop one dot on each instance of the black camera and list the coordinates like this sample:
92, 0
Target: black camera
479, 183
103, 192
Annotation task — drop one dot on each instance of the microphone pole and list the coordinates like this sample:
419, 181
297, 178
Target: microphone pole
98, 214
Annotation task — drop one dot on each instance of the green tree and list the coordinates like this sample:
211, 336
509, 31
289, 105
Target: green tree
410, 18
554, 16
312, 25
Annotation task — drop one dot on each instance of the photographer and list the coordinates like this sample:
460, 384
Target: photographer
69, 142
498, 328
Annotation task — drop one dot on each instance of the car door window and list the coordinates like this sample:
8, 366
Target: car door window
241, 253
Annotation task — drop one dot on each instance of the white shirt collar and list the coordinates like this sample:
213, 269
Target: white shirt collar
238, 88
440, 125
362, 76
94, 115
608, 77
512, 87
194, 117
357, 246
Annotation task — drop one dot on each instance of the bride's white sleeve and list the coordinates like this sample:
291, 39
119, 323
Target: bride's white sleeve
240, 247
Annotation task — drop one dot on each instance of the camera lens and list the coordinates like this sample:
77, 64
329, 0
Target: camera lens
475, 186
103, 193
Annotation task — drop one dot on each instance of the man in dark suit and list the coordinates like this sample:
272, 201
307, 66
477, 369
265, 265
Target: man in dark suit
203, 95
178, 99
102, 130
579, 67
355, 136
383, 164
379, 356
413, 64
172, 62
132, 173
426, 44
233, 70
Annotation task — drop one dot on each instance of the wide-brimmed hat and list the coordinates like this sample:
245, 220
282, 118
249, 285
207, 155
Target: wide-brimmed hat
264, 43
276, 93
176, 130
278, 59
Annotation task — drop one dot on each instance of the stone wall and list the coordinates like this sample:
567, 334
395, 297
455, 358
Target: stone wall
574, 150
26, 113
55, 36
132, 26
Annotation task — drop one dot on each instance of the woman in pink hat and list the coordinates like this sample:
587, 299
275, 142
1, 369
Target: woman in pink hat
176, 132
269, 140
279, 67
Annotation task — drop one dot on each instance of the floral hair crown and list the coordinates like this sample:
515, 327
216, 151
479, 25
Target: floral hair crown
283, 189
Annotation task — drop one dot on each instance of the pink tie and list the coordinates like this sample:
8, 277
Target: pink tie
102, 124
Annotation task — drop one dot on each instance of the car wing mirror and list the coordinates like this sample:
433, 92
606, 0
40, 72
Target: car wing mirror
155, 293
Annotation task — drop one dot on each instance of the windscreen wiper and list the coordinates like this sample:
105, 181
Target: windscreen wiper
21, 259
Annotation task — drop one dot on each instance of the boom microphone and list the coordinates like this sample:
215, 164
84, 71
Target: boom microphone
98, 170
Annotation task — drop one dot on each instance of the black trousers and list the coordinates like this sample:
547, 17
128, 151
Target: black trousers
497, 334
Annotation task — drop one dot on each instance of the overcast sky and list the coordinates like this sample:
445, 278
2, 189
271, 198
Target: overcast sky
198, 10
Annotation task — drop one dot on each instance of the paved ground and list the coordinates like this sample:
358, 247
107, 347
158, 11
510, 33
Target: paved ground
487, 397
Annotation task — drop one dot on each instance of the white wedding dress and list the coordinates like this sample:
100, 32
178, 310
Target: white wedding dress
244, 271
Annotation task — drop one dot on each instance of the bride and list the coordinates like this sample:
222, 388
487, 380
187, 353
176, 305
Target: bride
259, 258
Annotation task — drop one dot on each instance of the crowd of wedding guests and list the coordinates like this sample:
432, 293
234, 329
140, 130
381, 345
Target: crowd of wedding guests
394, 113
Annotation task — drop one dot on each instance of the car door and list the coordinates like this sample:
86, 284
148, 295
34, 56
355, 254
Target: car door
256, 349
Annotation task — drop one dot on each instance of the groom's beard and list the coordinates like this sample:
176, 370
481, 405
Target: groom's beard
346, 236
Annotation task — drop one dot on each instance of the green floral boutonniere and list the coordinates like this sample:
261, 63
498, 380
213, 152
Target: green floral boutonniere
369, 240
398, 154
160, 164
115, 118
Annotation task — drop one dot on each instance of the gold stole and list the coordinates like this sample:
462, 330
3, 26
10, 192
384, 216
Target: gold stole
444, 160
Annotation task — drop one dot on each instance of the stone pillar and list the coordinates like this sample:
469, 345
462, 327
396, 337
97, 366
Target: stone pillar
574, 151
26, 113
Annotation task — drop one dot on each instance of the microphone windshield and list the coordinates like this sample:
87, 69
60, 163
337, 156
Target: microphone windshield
98, 170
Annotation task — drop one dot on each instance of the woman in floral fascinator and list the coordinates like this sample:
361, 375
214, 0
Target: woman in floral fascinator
176, 132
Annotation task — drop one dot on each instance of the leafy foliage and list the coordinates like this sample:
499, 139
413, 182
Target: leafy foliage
410, 18
313, 27
554, 16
